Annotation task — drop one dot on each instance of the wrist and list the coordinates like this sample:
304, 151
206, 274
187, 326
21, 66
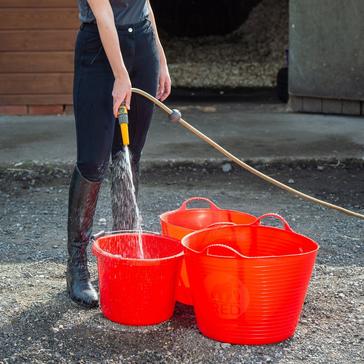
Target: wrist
121, 73
162, 55
162, 59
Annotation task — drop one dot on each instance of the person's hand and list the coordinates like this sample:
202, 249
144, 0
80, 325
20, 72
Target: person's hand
164, 84
121, 92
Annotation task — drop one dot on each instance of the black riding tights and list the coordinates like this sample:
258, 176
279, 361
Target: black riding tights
97, 130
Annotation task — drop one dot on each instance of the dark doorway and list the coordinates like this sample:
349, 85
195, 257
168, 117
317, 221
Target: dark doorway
224, 44
202, 17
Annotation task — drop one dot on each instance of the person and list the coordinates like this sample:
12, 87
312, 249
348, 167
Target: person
117, 46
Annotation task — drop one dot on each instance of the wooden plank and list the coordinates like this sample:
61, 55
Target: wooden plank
26, 83
36, 62
65, 99
351, 107
37, 40
39, 19
312, 104
38, 3
45, 109
332, 106
296, 103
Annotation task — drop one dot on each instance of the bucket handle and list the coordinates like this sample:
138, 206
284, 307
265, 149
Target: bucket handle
222, 224
97, 235
227, 247
102, 233
285, 224
212, 206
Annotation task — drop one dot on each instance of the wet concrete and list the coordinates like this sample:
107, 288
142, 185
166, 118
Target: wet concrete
252, 131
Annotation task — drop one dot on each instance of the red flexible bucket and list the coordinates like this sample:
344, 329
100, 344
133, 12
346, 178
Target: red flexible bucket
249, 282
135, 291
178, 223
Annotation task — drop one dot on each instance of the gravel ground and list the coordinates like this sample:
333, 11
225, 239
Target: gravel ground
39, 324
249, 57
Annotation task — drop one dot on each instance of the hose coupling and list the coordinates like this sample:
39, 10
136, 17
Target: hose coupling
175, 117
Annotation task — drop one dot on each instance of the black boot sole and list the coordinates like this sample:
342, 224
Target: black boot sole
82, 303
79, 302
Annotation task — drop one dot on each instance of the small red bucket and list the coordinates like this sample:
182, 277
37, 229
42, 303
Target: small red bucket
135, 291
178, 223
249, 282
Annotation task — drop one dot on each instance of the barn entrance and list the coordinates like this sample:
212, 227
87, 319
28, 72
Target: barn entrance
234, 44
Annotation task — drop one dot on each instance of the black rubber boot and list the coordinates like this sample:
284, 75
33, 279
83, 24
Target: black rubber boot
121, 196
81, 209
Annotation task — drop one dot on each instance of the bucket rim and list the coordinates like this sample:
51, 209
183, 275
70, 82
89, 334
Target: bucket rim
194, 209
241, 256
162, 217
97, 251
183, 208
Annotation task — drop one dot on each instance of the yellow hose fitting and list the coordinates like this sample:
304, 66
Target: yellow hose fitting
124, 133
123, 122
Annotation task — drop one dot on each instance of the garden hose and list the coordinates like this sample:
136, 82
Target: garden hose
123, 122
175, 116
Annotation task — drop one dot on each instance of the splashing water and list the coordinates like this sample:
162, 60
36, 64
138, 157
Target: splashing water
125, 207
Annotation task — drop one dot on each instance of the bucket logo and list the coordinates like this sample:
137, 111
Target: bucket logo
228, 295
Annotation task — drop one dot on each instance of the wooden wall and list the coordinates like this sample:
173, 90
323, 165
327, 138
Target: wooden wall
36, 55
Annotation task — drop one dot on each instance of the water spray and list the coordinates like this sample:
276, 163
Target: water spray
124, 175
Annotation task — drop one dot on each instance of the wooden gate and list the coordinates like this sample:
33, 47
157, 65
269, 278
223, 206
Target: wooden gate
36, 55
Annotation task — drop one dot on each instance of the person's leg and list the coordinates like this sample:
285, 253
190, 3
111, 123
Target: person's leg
94, 129
81, 208
143, 74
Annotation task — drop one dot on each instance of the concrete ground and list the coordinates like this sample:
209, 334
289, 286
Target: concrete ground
39, 324
252, 131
